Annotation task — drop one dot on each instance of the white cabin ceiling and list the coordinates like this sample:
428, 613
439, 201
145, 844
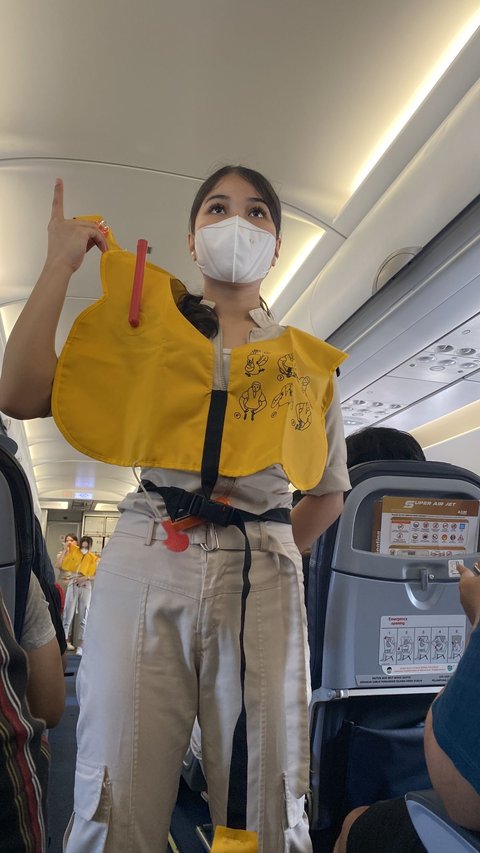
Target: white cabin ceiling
133, 104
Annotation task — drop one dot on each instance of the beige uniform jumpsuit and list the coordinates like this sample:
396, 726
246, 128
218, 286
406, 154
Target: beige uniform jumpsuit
162, 647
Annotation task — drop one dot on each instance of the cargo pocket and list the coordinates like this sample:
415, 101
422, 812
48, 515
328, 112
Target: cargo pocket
88, 827
296, 836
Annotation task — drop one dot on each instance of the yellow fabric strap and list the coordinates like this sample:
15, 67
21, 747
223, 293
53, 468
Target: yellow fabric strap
234, 841
141, 396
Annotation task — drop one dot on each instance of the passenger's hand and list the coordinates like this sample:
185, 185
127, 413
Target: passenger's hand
470, 594
70, 239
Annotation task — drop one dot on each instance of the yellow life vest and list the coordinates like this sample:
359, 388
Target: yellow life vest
78, 563
147, 390
71, 559
88, 565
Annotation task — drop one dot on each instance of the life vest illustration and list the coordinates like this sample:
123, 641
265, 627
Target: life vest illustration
286, 365
284, 398
274, 405
256, 361
253, 400
304, 416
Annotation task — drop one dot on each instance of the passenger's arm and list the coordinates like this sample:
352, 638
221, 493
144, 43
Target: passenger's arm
313, 515
469, 587
341, 843
29, 362
461, 800
455, 721
46, 684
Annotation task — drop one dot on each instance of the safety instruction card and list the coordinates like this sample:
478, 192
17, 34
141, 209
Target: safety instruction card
429, 527
420, 644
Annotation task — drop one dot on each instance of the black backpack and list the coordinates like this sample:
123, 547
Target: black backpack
17, 537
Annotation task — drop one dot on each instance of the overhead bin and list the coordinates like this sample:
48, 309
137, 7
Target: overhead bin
440, 182
437, 292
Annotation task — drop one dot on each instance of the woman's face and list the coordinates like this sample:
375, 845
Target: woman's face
233, 196
68, 540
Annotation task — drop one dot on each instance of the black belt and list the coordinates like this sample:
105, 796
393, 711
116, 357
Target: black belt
180, 504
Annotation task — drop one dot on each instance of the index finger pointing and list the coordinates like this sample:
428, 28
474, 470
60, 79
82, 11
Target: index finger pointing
57, 204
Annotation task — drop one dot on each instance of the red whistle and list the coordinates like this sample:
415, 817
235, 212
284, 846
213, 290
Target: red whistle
176, 540
134, 312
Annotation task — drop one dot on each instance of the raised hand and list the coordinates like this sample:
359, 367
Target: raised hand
70, 239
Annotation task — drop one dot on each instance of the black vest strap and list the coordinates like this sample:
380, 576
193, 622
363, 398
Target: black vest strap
180, 504
213, 441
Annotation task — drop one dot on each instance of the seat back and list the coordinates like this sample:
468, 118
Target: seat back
436, 831
386, 632
16, 537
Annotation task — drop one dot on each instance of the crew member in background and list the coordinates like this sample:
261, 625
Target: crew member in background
79, 591
66, 560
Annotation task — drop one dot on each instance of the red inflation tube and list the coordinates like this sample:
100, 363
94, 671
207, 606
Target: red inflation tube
134, 312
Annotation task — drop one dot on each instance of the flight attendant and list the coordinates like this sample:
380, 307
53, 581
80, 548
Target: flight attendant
66, 561
199, 605
79, 592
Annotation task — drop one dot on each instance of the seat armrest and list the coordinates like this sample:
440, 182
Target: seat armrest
436, 831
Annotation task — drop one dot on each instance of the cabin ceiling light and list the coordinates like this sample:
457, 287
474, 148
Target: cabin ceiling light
459, 422
418, 97
298, 261
54, 504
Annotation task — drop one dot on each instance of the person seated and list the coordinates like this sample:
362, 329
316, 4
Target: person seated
452, 727
376, 443
46, 687
44, 571
24, 754
452, 750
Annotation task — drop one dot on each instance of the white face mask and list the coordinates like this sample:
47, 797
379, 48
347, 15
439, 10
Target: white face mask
84, 550
234, 250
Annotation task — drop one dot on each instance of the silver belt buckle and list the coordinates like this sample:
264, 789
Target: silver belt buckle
211, 543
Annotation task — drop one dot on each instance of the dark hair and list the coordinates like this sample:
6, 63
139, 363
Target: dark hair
297, 496
203, 317
72, 536
372, 443
88, 540
261, 184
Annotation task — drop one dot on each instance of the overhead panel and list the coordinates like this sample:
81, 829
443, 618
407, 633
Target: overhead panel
412, 375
